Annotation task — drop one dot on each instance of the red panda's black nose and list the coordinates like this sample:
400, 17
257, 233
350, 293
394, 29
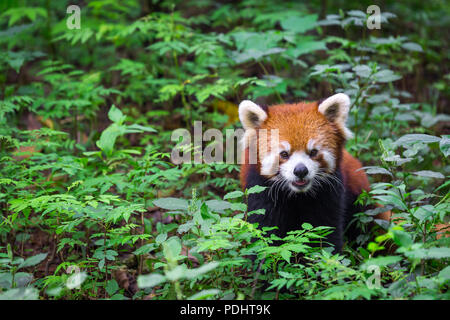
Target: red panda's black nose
300, 170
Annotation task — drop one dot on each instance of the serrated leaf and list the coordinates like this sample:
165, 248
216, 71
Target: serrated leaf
111, 287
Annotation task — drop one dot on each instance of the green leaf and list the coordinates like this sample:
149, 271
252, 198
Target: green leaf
363, 71
376, 170
444, 145
307, 46
160, 238
402, 238
299, 24
111, 287
34, 260
151, 280
394, 200
429, 174
137, 128
307, 226
172, 247
445, 273
109, 136
416, 137
171, 203
430, 253
381, 261
233, 195
386, 76
286, 255
256, 189
218, 205
411, 46
116, 115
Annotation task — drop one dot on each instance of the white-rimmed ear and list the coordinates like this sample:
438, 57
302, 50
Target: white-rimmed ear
251, 115
335, 109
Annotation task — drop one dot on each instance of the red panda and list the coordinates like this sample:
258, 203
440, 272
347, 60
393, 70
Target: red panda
309, 175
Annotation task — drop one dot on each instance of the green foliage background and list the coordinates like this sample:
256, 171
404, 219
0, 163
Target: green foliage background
93, 208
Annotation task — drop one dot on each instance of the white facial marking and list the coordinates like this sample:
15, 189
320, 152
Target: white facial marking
271, 161
269, 164
329, 159
286, 146
287, 168
327, 154
311, 145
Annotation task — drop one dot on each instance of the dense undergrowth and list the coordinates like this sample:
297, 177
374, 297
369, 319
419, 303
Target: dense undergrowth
92, 206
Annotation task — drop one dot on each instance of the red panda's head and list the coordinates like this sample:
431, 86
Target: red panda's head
302, 143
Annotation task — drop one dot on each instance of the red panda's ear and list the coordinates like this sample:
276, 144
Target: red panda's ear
251, 115
335, 109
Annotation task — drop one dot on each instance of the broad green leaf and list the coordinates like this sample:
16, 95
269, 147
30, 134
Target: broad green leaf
402, 238
429, 253
256, 189
111, 287
172, 247
171, 203
307, 226
116, 115
151, 280
381, 261
218, 205
299, 24
286, 255
386, 76
444, 145
411, 46
109, 136
416, 137
34, 260
429, 174
377, 170
233, 195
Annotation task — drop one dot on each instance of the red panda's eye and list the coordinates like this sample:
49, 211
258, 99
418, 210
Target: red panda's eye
313, 153
284, 154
